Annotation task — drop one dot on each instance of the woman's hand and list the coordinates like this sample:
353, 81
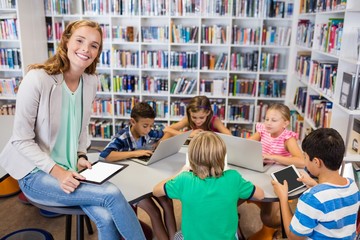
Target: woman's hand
68, 180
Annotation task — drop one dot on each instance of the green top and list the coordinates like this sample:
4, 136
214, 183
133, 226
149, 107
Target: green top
209, 206
67, 142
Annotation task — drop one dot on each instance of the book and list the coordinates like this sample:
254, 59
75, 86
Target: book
349, 94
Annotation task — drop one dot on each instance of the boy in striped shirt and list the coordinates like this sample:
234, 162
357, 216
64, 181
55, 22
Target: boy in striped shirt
328, 209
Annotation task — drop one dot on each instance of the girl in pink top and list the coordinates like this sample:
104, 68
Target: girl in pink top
199, 117
279, 146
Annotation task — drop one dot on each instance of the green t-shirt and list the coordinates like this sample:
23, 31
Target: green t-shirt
209, 206
65, 150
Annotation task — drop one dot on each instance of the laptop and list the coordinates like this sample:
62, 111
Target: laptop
165, 148
244, 153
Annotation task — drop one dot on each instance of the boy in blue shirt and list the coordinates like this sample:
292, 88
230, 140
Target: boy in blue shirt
328, 209
132, 141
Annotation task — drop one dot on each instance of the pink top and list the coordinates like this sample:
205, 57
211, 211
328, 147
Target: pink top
274, 146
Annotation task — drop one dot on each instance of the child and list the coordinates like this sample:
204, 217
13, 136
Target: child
209, 195
279, 146
199, 117
328, 209
130, 142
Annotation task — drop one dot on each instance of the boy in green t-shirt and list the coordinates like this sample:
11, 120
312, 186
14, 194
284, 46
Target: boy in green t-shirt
208, 194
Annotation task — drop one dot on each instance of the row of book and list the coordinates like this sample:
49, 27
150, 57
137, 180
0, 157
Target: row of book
244, 61
269, 62
213, 87
7, 4
300, 99
8, 29
154, 59
183, 85
183, 60
121, 107
273, 35
125, 33
155, 34
296, 123
160, 107
183, 34
330, 35
262, 8
241, 112
126, 83
9, 86
216, 34
302, 64
241, 87
10, 58
240, 8
156, 85
210, 61
178, 108
305, 33
7, 109
125, 58
323, 76
100, 129
272, 88
319, 111
245, 35
239, 131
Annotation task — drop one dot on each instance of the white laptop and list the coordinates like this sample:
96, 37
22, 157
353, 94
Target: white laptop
165, 148
244, 153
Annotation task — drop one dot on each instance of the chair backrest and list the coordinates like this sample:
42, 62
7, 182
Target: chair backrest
6, 129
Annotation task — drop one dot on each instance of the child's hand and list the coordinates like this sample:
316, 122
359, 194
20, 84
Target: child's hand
83, 163
307, 180
268, 159
195, 132
139, 153
281, 190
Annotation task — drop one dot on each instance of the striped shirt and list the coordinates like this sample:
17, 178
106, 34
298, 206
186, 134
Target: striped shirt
327, 211
274, 146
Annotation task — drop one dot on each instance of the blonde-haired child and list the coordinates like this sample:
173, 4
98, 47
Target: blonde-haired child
279, 146
199, 117
209, 195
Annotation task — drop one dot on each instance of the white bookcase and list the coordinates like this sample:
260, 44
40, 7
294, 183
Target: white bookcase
345, 58
22, 37
161, 17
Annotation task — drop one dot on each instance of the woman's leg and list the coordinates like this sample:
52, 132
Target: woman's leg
169, 216
44, 189
149, 206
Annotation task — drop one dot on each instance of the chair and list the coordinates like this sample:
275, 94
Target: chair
69, 212
29, 233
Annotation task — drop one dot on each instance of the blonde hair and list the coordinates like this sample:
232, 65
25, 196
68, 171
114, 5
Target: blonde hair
283, 110
197, 104
60, 62
207, 155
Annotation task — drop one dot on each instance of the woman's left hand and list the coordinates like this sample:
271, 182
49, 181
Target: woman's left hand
83, 163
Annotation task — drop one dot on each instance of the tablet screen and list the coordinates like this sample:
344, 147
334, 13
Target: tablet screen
101, 172
290, 175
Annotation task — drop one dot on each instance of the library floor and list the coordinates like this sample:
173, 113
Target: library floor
15, 215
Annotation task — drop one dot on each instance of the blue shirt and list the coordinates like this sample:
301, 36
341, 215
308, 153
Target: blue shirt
124, 141
327, 211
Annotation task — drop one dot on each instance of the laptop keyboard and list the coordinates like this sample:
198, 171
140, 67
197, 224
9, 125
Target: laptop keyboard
144, 158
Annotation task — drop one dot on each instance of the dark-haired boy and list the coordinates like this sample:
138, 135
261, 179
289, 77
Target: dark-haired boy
130, 142
328, 209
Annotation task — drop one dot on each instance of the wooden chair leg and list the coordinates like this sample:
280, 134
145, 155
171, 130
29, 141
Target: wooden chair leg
88, 225
68, 227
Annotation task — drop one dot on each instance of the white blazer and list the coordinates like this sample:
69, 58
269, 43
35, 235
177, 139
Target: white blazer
37, 122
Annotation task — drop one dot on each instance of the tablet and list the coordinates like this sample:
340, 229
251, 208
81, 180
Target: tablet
290, 174
101, 172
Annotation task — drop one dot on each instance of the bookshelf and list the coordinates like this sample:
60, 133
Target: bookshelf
166, 52
21, 43
325, 49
